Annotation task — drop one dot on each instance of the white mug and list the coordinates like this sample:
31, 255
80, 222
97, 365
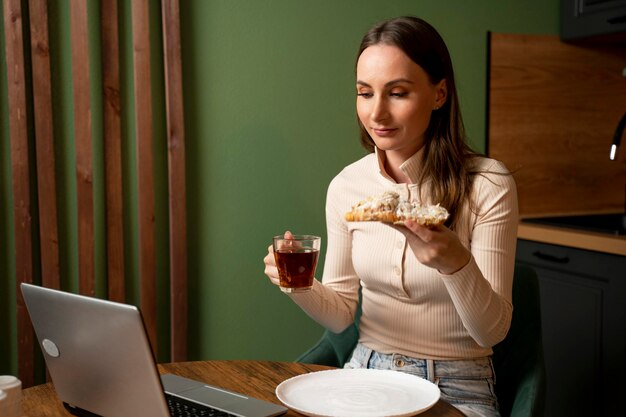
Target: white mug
11, 405
3, 397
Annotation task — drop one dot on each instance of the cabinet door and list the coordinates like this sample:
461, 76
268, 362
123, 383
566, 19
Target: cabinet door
583, 302
572, 328
597, 20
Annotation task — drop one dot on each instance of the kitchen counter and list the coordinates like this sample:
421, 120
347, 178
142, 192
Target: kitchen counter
599, 242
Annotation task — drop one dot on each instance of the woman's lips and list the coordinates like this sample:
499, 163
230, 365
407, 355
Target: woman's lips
384, 132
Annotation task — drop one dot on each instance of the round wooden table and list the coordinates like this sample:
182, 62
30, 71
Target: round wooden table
254, 378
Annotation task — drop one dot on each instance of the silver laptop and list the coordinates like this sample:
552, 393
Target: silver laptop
100, 361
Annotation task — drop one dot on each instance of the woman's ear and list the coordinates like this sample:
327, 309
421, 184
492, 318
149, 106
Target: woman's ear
441, 94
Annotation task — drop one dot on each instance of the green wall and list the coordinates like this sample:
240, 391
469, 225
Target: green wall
269, 108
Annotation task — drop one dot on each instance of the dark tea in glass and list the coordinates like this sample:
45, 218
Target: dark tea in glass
296, 260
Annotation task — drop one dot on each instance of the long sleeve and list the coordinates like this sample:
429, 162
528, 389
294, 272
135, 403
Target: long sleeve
481, 291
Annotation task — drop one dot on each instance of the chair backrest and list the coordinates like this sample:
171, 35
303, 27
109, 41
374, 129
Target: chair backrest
518, 359
334, 349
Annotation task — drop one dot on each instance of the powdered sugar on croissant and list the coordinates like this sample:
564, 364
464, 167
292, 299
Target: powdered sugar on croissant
392, 208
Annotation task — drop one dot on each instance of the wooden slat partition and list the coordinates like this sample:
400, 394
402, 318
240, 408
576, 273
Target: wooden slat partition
44, 140
112, 151
177, 181
20, 166
18, 80
84, 157
144, 131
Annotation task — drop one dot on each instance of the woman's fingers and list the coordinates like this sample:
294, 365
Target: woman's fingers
436, 246
270, 266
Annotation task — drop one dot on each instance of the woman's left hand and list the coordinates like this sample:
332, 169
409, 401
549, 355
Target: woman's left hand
437, 247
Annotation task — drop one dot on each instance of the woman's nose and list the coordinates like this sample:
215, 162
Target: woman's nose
380, 111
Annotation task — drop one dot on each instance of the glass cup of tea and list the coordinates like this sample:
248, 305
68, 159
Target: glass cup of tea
296, 260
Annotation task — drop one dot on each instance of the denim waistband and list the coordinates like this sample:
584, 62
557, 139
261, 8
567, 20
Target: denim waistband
431, 369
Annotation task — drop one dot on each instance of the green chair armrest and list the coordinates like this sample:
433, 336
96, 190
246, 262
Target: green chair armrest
333, 349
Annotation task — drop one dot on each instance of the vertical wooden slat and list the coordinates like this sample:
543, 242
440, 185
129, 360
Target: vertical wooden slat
177, 182
112, 151
82, 133
44, 140
16, 87
143, 120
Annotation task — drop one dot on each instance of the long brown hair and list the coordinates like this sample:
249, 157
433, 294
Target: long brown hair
446, 156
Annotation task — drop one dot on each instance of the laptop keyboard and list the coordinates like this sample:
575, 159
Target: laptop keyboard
182, 408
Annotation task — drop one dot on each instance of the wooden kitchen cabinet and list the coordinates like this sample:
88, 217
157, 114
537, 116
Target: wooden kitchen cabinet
583, 303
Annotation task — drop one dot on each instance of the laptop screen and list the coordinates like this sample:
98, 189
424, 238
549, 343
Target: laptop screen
97, 353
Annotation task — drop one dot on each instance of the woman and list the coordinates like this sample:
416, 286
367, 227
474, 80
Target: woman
434, 300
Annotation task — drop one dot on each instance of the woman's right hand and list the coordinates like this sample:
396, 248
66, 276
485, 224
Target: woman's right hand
270, 262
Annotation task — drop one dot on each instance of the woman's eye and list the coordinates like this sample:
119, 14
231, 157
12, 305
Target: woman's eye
365, 95
398, 94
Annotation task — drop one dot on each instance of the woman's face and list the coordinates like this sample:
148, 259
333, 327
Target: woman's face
395, 99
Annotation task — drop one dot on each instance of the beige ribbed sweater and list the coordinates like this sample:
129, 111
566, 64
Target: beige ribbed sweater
409, 308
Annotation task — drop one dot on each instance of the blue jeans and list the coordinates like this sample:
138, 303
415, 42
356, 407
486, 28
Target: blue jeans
466, 384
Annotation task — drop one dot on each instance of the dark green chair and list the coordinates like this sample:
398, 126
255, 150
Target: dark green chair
518, 359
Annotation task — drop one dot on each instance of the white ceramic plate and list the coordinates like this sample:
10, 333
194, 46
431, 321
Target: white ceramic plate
358, 393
